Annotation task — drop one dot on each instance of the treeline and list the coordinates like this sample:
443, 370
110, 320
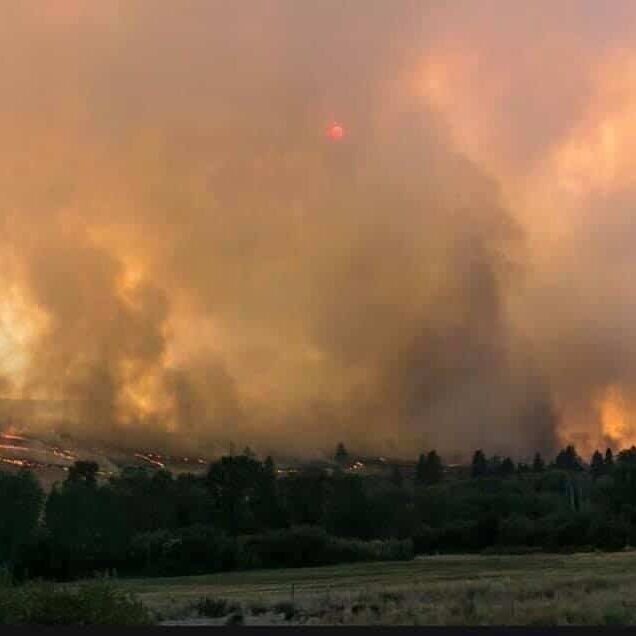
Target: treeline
240, 514
142, 522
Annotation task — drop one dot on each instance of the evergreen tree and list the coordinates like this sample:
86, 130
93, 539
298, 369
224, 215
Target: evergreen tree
430, 469
232, 482
269, 468
568, 459
347, 512
21, 500
85, 527
624, 474
304, 497
538, 465
609, 460
507, 468
267, 507
479, 465
341, 456
597, 465
434, 470
192, 503
420, 470
627, 456
147, 498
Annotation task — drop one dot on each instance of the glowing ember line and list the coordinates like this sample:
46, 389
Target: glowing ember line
151, 461
13, 437
13, 447
17, 462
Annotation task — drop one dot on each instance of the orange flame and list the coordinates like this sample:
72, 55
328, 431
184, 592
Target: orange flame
616, 421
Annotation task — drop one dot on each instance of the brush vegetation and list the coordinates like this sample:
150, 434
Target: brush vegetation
539, 590
95, 603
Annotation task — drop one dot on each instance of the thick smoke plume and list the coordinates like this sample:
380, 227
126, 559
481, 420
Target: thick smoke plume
188, 260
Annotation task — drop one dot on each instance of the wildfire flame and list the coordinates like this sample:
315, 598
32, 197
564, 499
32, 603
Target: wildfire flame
617, 424
140, 282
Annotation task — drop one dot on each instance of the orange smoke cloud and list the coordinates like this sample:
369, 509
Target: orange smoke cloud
187, 255
555, 127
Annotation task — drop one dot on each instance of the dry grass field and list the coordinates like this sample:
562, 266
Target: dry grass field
579, 589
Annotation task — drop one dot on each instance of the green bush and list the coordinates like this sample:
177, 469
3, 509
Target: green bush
195, 550
305, 546
90, 604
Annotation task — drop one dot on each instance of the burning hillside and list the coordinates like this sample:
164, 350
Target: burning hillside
50, 457
188, 260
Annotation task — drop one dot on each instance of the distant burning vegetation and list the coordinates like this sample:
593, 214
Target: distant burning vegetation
50, 460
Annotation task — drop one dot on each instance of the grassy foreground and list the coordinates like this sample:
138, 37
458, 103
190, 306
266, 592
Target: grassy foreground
579, 589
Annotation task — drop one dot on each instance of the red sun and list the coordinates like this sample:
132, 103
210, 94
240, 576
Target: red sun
335, 132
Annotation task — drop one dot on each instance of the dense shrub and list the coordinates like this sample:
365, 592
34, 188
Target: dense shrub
46, 604
311, 546
21, 499
204, 549
195, 550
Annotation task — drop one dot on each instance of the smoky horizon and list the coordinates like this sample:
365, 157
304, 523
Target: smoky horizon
397, 224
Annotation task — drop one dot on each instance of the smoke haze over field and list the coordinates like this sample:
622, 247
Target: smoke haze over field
188, 258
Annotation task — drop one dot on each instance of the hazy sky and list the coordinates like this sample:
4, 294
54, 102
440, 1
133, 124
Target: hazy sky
187, 255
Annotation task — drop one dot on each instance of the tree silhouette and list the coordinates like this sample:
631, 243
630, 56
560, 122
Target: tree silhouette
21, 499
420, 470
84, 472
597, 465
538, 465
267, 509
627, 456
568, 459
429, 469
341, 456
624, 475
269, 468
479, 466
232, 482
434, 468
507, 467
347, 510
